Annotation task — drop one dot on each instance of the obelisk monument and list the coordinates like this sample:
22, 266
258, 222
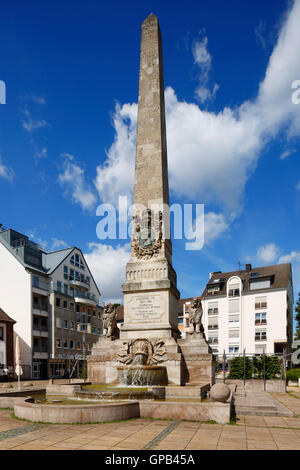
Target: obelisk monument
149, 340
150, 291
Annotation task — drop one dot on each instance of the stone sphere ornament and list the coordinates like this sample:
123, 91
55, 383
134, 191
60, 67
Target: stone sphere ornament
220, 393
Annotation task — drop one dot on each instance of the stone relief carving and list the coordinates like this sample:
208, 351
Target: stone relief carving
194, 315
142, 351
146, 241
110, 329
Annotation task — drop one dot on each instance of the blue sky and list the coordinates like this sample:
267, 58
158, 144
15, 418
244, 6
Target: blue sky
67, 129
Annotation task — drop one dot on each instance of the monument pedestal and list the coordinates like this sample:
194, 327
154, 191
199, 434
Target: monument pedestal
198, 360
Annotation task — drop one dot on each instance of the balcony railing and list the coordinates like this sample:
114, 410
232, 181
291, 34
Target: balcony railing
40, 349
40, 327
40, 307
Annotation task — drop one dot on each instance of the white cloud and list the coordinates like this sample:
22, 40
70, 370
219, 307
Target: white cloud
268, 253
294, 256
73, 180
115, 177
108, 267
5, 172
30, 124
215, 226
58, 244
211, 155
40, 154
203, 59
286, 154
260, 33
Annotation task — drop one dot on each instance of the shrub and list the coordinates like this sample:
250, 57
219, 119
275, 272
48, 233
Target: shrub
293, 374
237, 368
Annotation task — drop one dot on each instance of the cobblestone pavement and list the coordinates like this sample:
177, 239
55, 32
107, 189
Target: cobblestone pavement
250, 432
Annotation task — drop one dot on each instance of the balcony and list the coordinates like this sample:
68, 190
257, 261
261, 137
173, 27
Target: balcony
213, 327
85, 299
40, 286
79, 283
40, 331
40, 310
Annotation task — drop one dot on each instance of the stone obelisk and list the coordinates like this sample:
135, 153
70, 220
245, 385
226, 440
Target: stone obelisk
150, 291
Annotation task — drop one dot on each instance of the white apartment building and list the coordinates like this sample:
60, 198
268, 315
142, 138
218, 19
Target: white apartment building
54, 300
251, 309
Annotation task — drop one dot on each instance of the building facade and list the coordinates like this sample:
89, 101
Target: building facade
55, 301
249, 310
6, 343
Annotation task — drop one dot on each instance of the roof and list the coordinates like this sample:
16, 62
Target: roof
49, 260
5, 317
53, 259
280, 274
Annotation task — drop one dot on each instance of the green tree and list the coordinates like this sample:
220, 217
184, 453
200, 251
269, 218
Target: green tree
297, 318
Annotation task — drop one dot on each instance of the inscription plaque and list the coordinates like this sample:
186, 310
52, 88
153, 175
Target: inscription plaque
146, 308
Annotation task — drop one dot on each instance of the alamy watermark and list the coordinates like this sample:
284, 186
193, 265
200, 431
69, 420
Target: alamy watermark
2, 92
151, 223
296, 95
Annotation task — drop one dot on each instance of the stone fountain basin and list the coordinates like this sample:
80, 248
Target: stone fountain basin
81, 413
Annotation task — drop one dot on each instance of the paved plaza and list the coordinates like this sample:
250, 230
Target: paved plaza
249, 432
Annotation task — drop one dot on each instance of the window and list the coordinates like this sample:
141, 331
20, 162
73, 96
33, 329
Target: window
99, 315
58, 302
72, 274
72, 325
66, 289
234, 290
1, 333
260, 284
88, 280
36, 281
58, 322
83, 327
98, 332
259, 349
233, 320
213, 340
234, 349
72, 291
213, 324
213, 308
71, 306
234, 306
58, 343
260, 319
58, 286
66, 273
65, 324
213, 290
72, 344
260, 302
65, 304
65, 343
93, 330
234, 334
78, 345
260, 336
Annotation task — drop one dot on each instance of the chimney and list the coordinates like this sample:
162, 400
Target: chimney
248, 267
